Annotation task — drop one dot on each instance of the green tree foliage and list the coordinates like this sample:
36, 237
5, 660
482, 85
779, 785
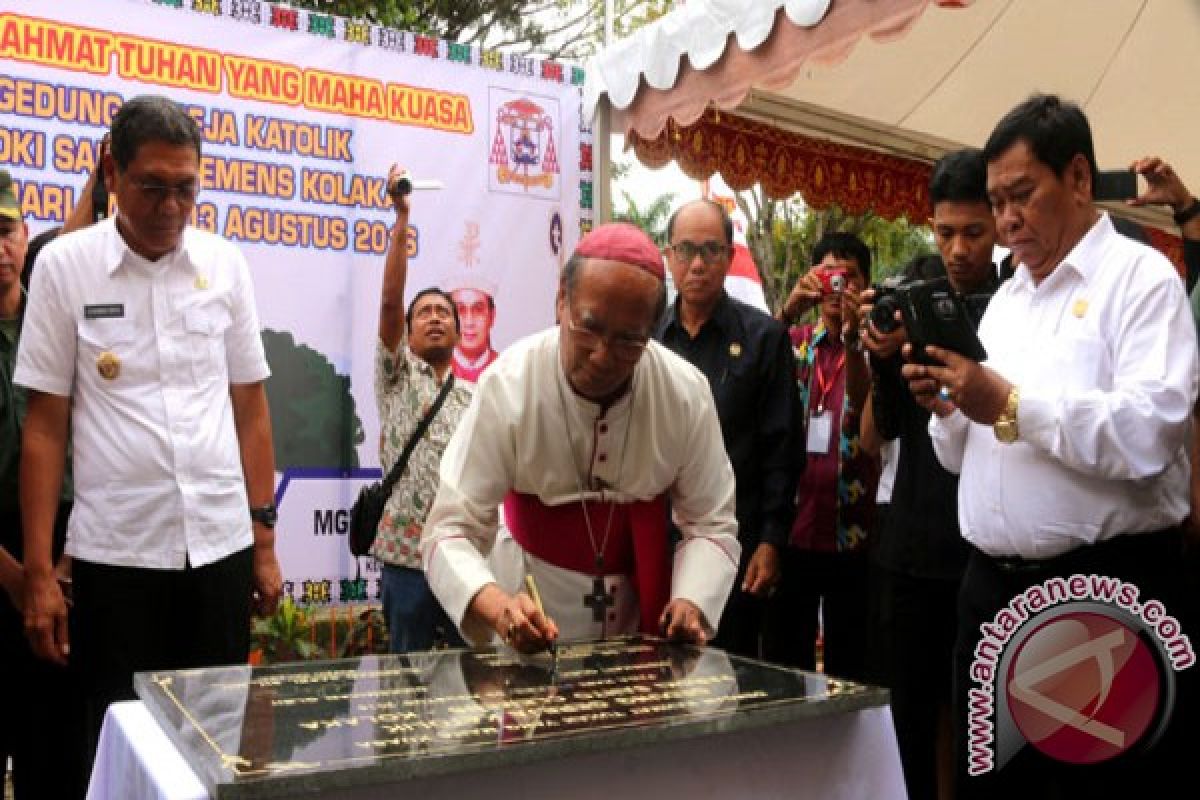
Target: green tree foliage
570, 29
782, 234
313, 416
652, 218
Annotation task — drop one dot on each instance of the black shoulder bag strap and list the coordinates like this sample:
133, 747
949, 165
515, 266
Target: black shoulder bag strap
389, 483
397, 469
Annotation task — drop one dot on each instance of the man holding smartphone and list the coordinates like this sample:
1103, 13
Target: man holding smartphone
1071, 442
1164, 187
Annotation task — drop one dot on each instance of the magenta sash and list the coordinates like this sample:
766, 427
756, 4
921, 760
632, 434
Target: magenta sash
637, 546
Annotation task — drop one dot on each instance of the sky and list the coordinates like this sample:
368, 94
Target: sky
642, 183
645, 185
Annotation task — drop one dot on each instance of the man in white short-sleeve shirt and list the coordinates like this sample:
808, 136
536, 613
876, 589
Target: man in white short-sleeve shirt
141, 339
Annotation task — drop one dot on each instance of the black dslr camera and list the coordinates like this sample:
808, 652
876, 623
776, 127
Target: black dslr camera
976, 304
933, 314
888, 301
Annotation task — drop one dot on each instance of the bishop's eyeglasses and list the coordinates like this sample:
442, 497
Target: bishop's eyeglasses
619, 346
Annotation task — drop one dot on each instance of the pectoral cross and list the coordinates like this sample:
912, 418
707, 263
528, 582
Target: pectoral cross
598, 600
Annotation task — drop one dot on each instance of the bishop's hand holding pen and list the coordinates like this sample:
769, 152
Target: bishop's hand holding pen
518, 618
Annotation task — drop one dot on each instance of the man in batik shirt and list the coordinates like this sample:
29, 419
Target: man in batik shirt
412, 360
824, 565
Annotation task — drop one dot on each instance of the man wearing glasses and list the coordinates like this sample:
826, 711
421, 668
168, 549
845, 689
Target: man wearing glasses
747, 358
583, 433
141, 337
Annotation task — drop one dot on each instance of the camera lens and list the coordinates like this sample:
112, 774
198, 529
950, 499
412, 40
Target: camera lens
883, 314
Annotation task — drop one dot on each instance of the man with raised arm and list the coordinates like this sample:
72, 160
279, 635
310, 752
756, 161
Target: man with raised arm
412, 366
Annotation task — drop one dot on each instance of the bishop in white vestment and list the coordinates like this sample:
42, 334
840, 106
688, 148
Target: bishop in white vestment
584, 433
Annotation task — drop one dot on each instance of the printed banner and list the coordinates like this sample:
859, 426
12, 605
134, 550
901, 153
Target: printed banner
302, 114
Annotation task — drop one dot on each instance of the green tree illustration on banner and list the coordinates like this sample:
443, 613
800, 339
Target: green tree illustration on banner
313, 417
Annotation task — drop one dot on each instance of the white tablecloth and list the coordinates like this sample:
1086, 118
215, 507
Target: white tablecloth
852, 756
136, 761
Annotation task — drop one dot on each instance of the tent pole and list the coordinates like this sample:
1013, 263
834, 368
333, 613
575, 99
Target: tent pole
601, 127
601, 145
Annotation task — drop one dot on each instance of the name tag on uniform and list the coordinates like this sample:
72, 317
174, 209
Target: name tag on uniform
104, 311
820, 432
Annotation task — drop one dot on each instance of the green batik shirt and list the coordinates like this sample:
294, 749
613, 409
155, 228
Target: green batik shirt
12, 413
405, 388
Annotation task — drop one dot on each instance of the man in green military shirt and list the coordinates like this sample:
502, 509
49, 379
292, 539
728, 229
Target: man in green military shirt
36, 728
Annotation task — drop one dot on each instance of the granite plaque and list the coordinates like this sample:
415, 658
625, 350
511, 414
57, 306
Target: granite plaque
290, 729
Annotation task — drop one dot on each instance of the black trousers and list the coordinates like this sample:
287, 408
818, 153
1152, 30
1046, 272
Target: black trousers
915, 633
130, 619
41, 720
833, 585
1153, 562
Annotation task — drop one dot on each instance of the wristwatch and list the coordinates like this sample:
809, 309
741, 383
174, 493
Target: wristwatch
1185, 214
265, 515
1005, 426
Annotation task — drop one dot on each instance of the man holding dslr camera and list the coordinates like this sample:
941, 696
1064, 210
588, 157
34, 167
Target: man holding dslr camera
919, 551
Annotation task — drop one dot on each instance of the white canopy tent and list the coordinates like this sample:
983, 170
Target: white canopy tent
913, 78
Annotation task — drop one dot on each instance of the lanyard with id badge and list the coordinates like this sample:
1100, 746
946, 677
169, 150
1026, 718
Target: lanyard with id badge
820, 417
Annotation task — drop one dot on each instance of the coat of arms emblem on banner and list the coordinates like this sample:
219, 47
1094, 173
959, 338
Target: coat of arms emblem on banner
524, 155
